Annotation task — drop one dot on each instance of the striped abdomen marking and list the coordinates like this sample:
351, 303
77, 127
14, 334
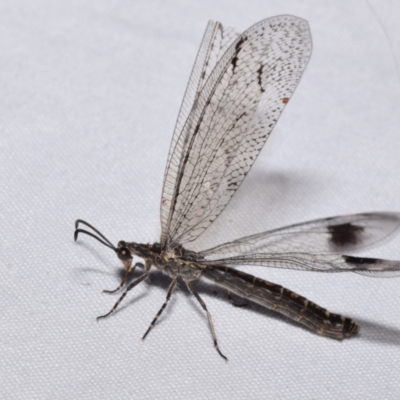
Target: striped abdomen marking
284, 301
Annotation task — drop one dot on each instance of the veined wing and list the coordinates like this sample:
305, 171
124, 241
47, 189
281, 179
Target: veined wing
215, 42
328, 235
232, 117
373, 267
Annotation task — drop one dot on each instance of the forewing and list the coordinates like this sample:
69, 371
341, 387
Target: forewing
373, 267
230, 120
329, 235
216, 40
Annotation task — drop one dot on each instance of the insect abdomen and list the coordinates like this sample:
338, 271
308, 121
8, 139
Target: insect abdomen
284, 301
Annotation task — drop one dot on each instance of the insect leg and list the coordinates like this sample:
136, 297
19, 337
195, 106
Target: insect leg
170, 290
128, 274
210, 323
131, 286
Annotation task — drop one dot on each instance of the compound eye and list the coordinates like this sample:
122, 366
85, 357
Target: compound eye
121, 243
124, 254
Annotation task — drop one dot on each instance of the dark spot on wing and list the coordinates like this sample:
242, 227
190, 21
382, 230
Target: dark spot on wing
240, 43
259, 74
238, 47
360, 260
345, 234
285, 100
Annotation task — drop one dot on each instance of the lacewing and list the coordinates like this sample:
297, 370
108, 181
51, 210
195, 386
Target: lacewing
238, 88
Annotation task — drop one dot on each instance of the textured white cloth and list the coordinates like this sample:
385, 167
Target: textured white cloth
89, 96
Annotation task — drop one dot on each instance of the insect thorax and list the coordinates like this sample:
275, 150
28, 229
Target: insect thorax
173, 262
179, 262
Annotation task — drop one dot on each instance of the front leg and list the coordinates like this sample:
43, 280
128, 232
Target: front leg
128, 274
131, 286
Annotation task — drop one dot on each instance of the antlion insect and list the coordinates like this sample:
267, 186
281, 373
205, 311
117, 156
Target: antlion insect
238, 88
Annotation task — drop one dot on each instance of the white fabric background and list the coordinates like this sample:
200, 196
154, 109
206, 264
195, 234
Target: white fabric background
89, 95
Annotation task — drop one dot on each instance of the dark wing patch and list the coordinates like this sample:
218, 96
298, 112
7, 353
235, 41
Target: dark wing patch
373, 267
238, 47
328, 235
344, 235
361, 260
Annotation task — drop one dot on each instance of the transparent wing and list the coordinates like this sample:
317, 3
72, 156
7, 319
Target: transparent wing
329, 235
373, 267
231, 118
215, 41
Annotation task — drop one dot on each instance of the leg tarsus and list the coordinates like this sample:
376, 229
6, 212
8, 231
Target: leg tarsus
131, 286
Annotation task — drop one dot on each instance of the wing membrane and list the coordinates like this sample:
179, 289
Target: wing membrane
373, 267
216, 40
230, 120
329, 235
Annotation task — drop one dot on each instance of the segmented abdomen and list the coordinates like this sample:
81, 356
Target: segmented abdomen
284, 301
